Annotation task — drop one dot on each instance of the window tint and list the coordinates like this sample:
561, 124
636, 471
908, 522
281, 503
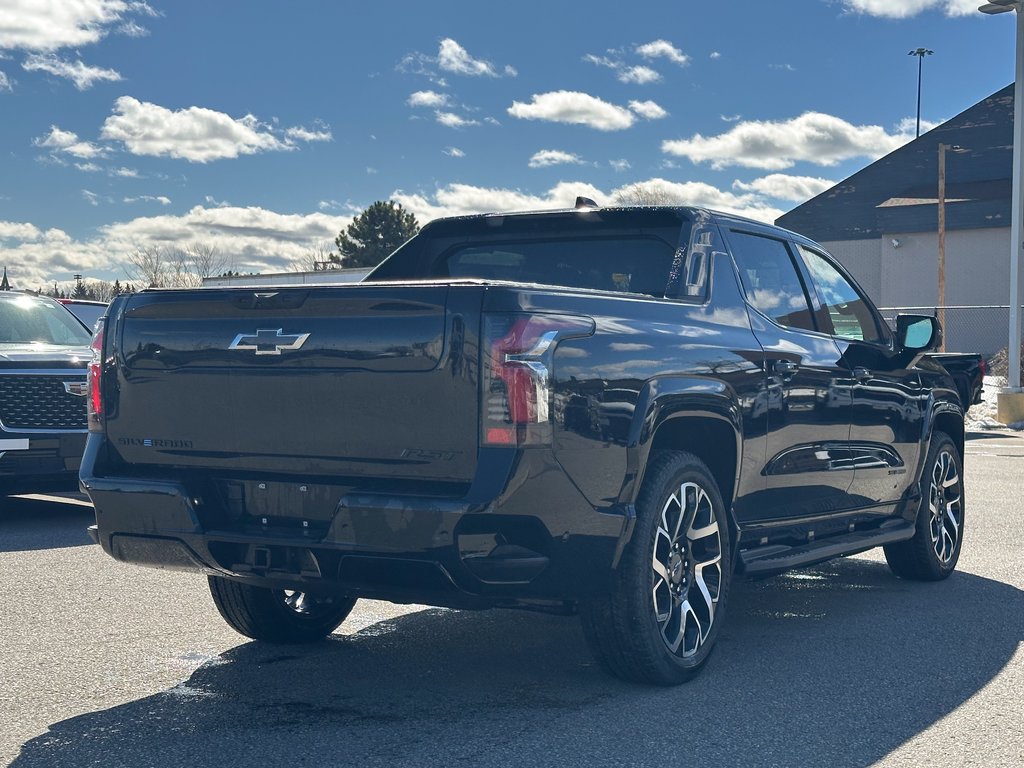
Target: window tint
849, 314
632, 265
771, 280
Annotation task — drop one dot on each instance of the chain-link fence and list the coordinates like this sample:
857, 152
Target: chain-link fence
983, 329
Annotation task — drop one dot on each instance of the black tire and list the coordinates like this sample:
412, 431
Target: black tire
277, 615
670, 589
933, 552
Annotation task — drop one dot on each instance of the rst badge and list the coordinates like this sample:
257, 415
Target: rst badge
268, 341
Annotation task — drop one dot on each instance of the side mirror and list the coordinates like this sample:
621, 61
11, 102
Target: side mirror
918, 333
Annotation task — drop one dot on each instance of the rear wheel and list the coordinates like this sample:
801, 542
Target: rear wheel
660, 622
933, 552
278, 615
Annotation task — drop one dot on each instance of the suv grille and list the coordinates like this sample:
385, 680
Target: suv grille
41, 402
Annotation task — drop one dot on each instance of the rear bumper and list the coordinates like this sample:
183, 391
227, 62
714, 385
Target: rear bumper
531, 541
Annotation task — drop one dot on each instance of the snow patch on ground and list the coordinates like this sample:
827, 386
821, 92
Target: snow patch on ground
983, 415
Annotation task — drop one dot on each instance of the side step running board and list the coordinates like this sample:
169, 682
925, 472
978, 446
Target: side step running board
776, 558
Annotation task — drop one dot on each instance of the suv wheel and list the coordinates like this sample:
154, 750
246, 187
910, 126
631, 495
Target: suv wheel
278, 615
933, 552
660, 622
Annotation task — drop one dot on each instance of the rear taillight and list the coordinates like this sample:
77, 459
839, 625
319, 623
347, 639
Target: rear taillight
518, 351
95, 380
983, 367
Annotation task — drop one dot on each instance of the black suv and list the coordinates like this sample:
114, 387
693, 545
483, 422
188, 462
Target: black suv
44, 350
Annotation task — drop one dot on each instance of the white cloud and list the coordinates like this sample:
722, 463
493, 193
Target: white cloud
639, 74
452, 120
322, 133
131, 29
784, 187
908, 125
79, 73
703, 195
730, 118
648, 109
91, 197
620, 166
330, 205
18, 230
88, 167
5, 83
195, 134
125, 173
603, 61
254, 239
465, 199
32, 25
163, 200
812, 137
67, 142
715, 55
549, 157
454, 152
902, 9
663, 49
452, 57
428, 99
574, 108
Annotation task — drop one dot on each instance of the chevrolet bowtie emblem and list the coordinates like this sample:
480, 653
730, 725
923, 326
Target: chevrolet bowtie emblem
269, 341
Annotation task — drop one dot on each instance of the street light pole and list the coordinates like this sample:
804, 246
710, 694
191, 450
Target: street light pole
1016, 212
920, 53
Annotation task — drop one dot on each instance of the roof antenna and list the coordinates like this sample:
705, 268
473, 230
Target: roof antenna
585, 202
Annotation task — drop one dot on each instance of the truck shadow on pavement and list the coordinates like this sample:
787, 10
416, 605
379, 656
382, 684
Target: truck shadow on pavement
44, 522
836, 665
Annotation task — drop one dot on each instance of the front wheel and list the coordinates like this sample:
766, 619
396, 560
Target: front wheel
278, 615
660, 622
933, 552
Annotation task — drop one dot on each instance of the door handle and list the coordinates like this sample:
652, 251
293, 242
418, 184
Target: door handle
860, 373
785, 366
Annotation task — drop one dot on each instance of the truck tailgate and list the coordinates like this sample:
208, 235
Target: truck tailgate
374, 380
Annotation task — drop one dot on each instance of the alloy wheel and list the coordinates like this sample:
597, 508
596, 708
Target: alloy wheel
686, 569
945, 503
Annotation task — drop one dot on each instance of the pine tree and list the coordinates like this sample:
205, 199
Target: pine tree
374, 234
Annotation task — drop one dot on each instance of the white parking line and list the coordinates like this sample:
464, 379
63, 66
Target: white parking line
56, 499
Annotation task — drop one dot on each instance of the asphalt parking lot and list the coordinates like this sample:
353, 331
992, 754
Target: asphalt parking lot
838, 665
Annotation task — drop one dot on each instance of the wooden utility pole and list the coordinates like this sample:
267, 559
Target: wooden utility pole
941, 307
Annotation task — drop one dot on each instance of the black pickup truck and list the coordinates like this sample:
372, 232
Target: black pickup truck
599, 411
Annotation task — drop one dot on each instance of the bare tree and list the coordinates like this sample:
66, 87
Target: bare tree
317, 259
206, 261
175, 266
647, 193
147, 265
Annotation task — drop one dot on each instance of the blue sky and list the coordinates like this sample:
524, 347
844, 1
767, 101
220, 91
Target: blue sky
259, 128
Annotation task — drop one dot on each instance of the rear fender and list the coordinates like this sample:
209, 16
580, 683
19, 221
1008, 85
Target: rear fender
676, 413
